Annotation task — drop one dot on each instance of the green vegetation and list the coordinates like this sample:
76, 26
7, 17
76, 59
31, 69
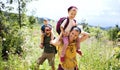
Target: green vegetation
98, 54
20, 38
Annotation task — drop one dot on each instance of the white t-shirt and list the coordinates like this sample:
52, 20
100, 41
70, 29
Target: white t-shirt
70, 25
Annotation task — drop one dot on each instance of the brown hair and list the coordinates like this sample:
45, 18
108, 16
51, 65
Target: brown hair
71, 8
76, 28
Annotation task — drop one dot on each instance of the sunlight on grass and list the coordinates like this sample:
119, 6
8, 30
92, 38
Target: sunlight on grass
97, 55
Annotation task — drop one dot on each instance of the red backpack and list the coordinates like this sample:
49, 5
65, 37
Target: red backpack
60, 21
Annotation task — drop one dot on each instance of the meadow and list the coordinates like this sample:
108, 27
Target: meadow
97, 54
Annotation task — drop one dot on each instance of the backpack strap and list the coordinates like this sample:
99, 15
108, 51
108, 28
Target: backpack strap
67, 22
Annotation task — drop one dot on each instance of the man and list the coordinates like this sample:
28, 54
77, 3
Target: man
45, 21
49, 50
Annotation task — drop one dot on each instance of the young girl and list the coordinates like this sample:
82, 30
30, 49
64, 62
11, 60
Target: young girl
72, 11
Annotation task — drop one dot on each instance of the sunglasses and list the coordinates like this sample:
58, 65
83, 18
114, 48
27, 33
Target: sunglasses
47, 30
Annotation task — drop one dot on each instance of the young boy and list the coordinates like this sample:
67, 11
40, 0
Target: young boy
72, 11
49, 50
45, 21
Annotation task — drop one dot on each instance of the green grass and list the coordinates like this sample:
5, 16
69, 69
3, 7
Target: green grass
97, 55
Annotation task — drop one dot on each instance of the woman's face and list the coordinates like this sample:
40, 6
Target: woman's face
72, 13
73, 35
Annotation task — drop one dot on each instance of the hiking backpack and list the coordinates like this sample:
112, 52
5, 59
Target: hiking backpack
60, 21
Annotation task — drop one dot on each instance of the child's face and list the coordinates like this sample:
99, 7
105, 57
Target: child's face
45, 21
73, 35
72, 13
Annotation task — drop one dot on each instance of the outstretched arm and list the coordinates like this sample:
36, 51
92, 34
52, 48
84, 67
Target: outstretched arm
55, 42
84, 36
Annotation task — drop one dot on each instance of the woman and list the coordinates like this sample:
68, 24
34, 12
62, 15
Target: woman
70, 62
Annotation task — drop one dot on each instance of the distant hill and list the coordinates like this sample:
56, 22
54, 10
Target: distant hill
40, 19
106, 28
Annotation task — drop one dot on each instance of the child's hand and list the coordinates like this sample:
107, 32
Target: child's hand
41, 46
65, 33
51, 42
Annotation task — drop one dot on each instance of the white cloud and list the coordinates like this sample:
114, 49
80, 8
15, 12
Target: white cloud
88, 9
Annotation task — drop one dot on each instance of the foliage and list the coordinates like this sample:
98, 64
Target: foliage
97, 54
118, 35
113, 33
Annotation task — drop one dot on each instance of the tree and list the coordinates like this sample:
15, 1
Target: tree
9, 27
21, 8
113, 33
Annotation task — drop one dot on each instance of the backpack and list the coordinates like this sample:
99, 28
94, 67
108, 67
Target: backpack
60, 21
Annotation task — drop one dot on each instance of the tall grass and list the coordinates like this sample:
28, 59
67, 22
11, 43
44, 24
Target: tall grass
97, 54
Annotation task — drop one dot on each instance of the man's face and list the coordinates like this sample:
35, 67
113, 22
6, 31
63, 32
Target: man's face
47, 30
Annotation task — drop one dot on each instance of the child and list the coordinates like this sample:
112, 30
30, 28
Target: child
72, 11
45, 21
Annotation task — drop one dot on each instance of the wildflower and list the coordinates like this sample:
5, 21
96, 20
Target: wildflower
4, 39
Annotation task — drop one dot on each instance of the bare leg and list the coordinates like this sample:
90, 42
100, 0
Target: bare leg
65, 41
42, 39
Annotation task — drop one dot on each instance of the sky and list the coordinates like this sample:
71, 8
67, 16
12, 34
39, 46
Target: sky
95, 12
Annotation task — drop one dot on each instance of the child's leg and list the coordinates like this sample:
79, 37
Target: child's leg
65, 41
42, 37
42, 40
52, 36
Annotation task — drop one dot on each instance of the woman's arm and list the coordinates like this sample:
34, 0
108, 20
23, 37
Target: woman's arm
55, 42
84, 36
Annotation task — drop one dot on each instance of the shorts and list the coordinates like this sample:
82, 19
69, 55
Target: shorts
49, 56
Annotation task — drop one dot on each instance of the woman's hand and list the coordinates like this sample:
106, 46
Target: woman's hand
84, 36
